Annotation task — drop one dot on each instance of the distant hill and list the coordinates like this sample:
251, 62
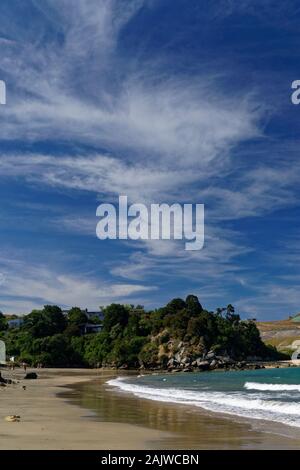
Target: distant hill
281, 333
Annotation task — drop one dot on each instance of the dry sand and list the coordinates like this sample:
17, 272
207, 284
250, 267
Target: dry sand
49, 422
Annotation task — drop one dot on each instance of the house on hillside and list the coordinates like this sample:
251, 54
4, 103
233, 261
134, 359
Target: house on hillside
91, 328
94, 323
94, 316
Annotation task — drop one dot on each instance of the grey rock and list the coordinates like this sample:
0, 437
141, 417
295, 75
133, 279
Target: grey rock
213, 364
185, 360
203, 365
210, 355
177, 357
225, 359
171, 363
31, 376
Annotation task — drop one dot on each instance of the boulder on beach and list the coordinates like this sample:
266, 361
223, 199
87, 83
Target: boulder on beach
31, 376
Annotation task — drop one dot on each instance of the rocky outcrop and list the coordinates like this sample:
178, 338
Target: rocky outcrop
183, 357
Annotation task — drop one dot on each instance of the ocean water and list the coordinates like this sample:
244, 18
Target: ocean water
267, 394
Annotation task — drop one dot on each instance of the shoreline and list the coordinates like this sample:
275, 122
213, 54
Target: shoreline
68, 409
190, 427
236, 366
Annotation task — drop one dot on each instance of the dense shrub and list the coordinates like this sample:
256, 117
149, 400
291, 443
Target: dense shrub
131, 336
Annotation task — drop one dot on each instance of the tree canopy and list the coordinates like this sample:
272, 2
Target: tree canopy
133, 336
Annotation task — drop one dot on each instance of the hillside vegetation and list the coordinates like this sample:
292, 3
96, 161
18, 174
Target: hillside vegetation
181, 334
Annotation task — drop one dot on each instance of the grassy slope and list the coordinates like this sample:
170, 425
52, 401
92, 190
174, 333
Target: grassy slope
280, 333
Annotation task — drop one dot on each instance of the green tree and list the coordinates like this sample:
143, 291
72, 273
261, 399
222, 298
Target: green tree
46, 322
115, 314
3, 322
149, 355
193, 304
174, 306
231, 316
77, 317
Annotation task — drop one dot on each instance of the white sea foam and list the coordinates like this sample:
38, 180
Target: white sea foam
233, 403
272, 387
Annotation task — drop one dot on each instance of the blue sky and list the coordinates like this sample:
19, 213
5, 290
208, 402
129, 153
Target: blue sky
163, 101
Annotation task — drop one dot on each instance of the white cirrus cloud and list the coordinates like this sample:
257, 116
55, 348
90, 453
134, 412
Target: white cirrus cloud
27, 286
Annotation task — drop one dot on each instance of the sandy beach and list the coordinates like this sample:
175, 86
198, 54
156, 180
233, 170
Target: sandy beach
75, 409
50, 422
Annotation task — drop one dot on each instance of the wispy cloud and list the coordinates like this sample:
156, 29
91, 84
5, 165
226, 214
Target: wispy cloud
24, 287
69, 86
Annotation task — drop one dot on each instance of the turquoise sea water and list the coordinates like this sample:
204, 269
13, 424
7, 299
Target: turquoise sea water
269, 394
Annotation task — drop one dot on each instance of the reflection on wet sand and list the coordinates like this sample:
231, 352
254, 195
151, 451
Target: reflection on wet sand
189, 427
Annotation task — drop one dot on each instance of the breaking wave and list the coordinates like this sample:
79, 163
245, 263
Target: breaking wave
272, 387
234, 403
